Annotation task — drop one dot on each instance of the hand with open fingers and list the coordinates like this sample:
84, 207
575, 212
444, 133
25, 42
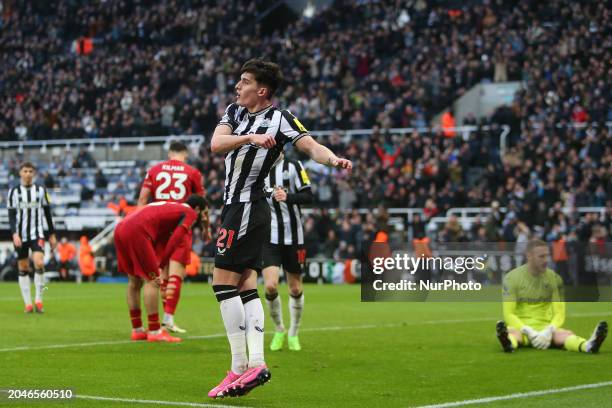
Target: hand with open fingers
340, 163
266, 141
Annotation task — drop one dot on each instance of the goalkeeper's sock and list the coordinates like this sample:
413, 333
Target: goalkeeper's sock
513, 341
575, 343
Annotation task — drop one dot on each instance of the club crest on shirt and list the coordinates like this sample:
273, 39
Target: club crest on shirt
265, 123
286, 174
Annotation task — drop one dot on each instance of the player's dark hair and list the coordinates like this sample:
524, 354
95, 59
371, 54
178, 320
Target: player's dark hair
178, 147
27, 165
265, 72
534, 243
195, 200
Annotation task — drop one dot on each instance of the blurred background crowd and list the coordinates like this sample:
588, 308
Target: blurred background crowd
74, 69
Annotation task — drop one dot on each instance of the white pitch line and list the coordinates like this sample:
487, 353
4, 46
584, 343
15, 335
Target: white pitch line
518, 395
307, 329
172, 403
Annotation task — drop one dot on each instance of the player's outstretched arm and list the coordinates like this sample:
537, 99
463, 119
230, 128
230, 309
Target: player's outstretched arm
224, 141
321, 154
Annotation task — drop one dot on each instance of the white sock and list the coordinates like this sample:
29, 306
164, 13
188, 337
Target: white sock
39, 284
168, 319
24, 285
254, 314
276, 312
232, 312
296, 306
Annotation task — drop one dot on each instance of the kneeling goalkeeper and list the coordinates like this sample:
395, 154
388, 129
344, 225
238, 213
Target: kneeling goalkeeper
534, 310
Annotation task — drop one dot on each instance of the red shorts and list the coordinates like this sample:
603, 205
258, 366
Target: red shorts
181, 253
135, 253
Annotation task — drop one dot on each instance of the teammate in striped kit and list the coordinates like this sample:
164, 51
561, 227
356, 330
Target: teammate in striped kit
289, 188
252, 133
26, 204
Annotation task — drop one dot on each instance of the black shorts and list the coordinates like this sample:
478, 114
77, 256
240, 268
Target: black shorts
23, 252
245, 228
291, 257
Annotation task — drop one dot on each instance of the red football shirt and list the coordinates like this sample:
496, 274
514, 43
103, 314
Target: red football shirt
157, 221
173, 181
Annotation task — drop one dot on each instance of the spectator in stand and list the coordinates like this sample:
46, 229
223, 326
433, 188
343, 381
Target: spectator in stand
140, 69
66, 253
86, 259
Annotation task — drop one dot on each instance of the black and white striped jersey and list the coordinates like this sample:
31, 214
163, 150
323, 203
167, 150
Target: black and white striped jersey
287, 228
246, 167
29, 204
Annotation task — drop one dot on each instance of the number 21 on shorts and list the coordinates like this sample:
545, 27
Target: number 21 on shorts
225, 238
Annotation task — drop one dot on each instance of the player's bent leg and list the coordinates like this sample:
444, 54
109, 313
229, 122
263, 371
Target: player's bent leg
225, 285
38, 259
273, 300
506, 337
133, 300
165, 274
173, 293
560, 336
257, 373
572, 342
296, 308
254, 317
23, 265
151, 301
593, 344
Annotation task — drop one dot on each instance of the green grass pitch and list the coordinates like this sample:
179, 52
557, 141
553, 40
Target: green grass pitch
354, 354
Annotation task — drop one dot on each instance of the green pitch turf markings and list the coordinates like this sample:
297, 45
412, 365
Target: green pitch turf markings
518, 395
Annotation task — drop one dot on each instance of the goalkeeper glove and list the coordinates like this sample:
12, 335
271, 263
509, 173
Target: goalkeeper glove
532, 335
545, 336
540, 340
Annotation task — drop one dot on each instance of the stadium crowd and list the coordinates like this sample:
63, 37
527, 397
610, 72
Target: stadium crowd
149, 68
167, 67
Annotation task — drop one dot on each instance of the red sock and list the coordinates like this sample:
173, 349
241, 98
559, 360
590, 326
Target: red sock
136, 319
173, 293
162, 290
153, 322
